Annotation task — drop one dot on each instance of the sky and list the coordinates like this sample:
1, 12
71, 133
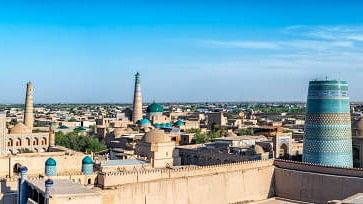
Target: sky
186, 51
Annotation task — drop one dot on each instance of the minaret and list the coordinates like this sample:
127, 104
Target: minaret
28, 111
137, 111
328, 134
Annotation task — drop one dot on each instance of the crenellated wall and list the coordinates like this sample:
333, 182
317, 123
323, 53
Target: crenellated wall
242, 182
112, 179
228, 183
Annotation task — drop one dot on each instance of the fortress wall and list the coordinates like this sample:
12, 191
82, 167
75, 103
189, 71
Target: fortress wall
300, 181
113, 179
249, 184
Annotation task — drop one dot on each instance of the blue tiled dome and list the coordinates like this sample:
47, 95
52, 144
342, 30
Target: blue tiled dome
50, 162
87, 160
155, 108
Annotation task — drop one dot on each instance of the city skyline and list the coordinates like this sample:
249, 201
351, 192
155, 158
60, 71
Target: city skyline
190, 52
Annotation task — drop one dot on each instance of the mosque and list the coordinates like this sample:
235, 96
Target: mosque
155, 117
21, 137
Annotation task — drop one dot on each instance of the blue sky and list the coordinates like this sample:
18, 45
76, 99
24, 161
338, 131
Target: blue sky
88, 51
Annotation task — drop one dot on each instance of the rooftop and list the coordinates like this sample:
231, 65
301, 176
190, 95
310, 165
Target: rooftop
126, 162
63, 187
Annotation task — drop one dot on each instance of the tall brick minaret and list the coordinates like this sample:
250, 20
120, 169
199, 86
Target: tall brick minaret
28, 111
137, 110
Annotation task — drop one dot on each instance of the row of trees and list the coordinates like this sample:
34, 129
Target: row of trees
79, 143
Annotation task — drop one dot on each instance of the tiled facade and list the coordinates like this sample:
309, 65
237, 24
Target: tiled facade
328, 135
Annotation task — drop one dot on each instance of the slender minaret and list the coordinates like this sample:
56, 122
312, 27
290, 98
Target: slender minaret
28, 111
137, 111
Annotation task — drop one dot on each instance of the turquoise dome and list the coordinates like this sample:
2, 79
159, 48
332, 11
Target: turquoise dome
87, 160
50, 162
179, 123
144, 122
80, 129
168, 125
157, 125
155, 108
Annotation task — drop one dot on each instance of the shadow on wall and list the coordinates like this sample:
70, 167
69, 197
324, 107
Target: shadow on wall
6, 194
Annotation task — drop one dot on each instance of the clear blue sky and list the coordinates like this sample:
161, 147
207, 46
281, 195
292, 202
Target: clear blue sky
88, 51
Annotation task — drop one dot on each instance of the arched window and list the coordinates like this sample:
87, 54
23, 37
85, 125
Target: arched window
283, 151
27, 141
10, 142
18, 142
43, 141
35, 141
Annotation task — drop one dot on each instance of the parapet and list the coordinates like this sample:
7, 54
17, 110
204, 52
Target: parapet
112, 179
318, 168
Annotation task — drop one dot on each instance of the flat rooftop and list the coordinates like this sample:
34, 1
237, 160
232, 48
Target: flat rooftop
240, 138
125, 162
63, 187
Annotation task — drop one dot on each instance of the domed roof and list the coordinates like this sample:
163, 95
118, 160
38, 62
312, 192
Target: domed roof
156, 136
80, 129
358, 124
87, 160
50, 162
155, 108
144, 122
63, 127
179, 123
19, 128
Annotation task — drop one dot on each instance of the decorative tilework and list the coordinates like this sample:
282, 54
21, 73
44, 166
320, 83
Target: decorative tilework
51, 170
87, 169
328, 136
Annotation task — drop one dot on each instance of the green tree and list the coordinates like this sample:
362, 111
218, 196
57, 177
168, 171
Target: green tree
248, 131
79, 143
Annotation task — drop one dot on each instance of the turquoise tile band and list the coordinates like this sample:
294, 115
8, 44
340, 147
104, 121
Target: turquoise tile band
328, 134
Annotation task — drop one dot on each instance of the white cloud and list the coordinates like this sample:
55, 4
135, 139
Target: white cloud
241, 44
342, 33
290, 44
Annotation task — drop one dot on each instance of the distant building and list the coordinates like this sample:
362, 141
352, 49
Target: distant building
157, 147
216, 119
21, 137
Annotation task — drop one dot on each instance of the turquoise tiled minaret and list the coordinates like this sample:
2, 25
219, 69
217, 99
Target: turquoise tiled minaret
328, 135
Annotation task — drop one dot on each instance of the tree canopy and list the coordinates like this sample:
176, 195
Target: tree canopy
79, 143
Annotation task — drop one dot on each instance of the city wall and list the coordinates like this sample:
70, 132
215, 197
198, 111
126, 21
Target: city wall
66, 162
228, 183
316, 183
